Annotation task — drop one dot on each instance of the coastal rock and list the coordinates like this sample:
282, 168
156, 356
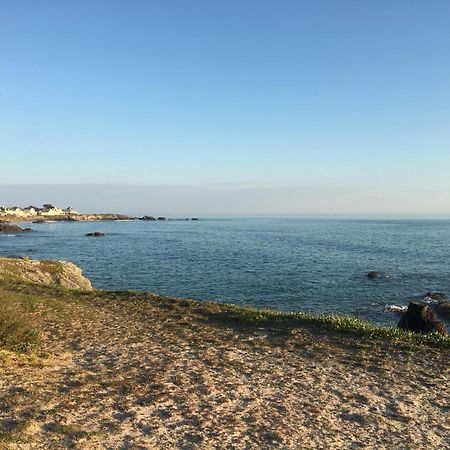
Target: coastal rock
161, 218
443, 309
61, 273
395, 309
147, 218
438, 296
10, 228
374, 274
421, 318
96, 234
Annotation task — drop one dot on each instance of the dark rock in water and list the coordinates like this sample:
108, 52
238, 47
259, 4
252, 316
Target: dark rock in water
374, 274
161, 218
443, 309
96, 234
421, 319
147, 218
39, 221
10, 228
194, 218
438, 296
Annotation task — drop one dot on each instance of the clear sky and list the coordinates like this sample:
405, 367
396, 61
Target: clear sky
316, 98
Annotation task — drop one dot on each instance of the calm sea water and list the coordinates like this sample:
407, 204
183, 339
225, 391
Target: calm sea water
290, 264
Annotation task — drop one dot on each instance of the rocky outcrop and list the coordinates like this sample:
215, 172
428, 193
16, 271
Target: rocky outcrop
96, 234
438, 296
421, 318
61, 273
374, 274
395, 309
9, 228
147, 218
443, 309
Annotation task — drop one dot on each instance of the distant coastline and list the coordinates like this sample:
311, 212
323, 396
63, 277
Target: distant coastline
54, 213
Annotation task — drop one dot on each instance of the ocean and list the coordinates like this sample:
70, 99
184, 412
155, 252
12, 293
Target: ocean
293, 264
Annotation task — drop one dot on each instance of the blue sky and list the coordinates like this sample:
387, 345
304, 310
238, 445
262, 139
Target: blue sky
253, 94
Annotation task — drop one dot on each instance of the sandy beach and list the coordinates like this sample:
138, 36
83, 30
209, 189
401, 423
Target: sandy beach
137, 371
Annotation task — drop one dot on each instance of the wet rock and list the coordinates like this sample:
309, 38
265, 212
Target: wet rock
421, 319
147, 218
395, 309
443, 309
438, 296
161, 218
374, 274
10, 228
96, 234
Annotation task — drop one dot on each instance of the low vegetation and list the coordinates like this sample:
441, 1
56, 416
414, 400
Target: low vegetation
16, 330
340, 323
17, 333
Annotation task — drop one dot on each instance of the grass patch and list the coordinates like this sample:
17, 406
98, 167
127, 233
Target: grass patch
16, 330
340, 323
24, 297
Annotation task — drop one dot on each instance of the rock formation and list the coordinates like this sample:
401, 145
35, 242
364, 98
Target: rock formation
62, 273
421, 318
9, 228
374, 274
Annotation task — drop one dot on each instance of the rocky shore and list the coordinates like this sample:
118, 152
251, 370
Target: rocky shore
96, 370
53, 213
58, 273
66, 218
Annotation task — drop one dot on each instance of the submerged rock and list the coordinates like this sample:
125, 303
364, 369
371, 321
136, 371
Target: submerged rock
374, 274
421, 319
96, 234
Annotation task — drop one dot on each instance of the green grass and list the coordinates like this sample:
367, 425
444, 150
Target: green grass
339, 323
16, 332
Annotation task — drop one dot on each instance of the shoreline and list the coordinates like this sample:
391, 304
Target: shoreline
66, 218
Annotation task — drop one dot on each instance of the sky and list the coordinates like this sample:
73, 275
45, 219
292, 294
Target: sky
236, 107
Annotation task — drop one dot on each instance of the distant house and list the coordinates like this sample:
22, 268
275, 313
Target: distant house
31, 210
70, 210
13, 211
48, 210
53, 211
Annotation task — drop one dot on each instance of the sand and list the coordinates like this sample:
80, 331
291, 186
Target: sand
155, 373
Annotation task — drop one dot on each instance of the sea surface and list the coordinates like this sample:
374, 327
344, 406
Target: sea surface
315, 265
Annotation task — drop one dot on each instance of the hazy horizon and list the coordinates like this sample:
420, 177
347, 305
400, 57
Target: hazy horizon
228, 200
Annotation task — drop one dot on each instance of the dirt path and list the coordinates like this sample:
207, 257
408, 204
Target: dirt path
151, 374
